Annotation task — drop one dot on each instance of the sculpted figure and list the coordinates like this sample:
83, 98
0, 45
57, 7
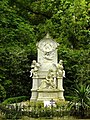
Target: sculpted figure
50, 78
59, 69
34, 68
49, 81
60, 72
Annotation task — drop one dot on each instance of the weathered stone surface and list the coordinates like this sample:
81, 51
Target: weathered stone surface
47, 73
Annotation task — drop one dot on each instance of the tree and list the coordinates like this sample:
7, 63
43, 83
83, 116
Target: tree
24, 22
2, 93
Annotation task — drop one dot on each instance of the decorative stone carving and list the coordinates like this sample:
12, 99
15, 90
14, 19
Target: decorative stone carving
48, 83
47, 74
34, 69
47, 52
59, 69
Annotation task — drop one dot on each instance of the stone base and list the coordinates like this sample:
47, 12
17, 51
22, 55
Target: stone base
48, 94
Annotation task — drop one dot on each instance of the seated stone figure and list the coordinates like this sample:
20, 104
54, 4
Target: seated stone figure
49, 81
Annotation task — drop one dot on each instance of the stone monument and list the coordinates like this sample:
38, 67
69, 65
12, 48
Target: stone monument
47, 74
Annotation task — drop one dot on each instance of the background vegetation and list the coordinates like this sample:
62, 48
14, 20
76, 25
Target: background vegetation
25, 22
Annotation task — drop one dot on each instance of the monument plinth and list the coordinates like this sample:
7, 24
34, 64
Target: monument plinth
47, 74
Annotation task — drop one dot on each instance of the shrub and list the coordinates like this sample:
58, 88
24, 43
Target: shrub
80, 100
15, 99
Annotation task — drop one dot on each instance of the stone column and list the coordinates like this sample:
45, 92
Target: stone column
60, 83
34, 89
60, 87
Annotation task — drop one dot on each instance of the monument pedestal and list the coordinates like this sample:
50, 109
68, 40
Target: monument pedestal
49, 94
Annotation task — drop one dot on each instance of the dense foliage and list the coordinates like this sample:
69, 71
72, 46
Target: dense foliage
80, 102
15, 100
24, 22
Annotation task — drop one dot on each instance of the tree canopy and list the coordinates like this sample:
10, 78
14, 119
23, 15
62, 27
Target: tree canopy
25, 22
